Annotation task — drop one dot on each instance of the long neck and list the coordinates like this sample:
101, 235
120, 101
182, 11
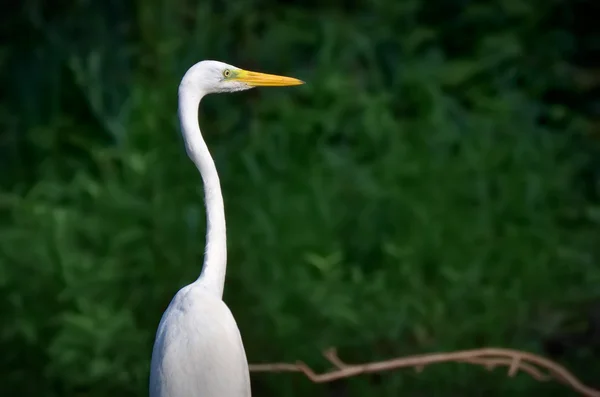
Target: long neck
212, 276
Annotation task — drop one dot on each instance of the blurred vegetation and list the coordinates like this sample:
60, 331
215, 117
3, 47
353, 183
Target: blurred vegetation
432, 187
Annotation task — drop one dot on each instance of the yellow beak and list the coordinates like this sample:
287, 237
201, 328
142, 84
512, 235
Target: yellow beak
263, 79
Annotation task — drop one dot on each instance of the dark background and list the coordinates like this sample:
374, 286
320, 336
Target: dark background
433, 186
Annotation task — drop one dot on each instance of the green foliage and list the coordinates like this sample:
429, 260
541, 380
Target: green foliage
406, 200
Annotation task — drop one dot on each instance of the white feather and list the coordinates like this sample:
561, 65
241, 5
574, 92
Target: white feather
198, 350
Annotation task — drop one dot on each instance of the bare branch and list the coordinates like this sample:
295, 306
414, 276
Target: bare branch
539, 368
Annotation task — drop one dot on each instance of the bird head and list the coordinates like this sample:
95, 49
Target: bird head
213, 76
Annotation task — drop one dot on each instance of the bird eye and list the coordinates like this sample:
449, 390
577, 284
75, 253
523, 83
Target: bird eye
226, 73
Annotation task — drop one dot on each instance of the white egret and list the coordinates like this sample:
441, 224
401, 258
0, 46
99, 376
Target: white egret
198, 350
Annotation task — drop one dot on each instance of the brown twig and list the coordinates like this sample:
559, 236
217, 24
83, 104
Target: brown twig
539, 368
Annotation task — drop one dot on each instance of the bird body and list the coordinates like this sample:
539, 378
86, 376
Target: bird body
198, 349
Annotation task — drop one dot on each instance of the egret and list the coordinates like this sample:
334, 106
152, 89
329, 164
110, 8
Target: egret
198, 349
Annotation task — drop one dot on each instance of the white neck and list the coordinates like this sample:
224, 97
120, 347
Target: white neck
212, 276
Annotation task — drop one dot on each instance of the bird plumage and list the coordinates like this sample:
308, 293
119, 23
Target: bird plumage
198, 350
